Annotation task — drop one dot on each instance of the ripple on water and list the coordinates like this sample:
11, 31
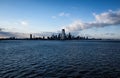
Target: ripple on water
57, 59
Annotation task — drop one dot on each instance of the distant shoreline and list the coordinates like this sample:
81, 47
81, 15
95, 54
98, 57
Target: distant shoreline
66, 39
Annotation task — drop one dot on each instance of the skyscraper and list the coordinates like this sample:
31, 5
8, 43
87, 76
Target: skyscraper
30, 36
63, 34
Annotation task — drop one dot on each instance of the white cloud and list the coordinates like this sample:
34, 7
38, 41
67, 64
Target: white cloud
111, 17
54, 17
101, 20
24, 23
64, 14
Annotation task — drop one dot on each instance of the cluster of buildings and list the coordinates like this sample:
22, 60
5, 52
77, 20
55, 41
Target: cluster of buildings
60, 36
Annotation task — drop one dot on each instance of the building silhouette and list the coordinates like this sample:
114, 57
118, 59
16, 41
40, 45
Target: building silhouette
30, 36
63, 35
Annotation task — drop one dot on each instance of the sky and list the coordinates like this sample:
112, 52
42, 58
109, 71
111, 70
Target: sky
92, 18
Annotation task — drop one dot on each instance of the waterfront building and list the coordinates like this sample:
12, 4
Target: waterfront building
30, 36
63, 35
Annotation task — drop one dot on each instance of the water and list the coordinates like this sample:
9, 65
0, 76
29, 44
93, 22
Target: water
59, 59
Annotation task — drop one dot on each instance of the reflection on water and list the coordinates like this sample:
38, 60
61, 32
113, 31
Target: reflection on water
59, 59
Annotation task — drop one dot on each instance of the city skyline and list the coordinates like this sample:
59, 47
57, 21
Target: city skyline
58, 36
90, 18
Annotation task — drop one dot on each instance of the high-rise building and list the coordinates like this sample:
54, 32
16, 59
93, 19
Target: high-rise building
63, 34
30, 36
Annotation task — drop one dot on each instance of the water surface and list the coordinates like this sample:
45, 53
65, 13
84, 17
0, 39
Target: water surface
59, 59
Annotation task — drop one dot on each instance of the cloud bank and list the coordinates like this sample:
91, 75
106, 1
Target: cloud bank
101, 20
4, 34
0, 29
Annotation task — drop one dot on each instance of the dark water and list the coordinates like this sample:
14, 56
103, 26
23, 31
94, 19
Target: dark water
59, 59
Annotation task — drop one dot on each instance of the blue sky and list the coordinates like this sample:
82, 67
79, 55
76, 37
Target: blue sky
35, 16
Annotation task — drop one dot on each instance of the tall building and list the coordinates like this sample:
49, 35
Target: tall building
63, 34
30, 36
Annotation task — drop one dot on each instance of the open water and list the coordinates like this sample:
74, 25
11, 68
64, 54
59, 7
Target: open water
59, 59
